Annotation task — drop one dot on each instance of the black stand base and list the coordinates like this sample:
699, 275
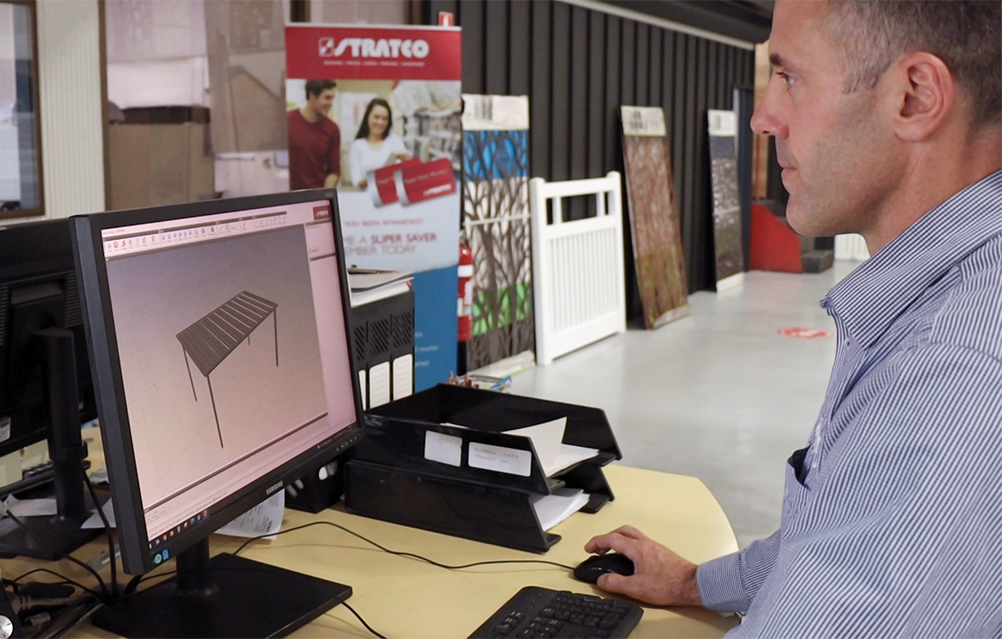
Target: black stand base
48, 538
246, 599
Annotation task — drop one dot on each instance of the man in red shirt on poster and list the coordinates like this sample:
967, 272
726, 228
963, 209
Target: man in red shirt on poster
314, 140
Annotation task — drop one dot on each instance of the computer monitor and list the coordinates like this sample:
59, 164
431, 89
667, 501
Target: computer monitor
222, 369
45, 387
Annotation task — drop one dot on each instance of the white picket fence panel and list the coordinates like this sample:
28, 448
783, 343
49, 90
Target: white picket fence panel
577, 266
851, 247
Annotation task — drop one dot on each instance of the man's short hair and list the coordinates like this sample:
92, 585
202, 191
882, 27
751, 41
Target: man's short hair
965, 34
316, 87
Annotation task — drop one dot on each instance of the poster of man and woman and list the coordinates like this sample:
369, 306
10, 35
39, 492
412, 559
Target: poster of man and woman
376, 113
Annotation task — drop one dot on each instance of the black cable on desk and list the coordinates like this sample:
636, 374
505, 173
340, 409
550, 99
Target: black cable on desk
65, 580
107, 529
404, 554
359, 617
104, 586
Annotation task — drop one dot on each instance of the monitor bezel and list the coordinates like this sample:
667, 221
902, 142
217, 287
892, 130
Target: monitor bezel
106, 373
33, 253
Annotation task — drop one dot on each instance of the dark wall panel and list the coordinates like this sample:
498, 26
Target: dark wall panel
578, 66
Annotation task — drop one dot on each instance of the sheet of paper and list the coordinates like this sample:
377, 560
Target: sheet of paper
263, 519
501, 459
546, 440
442, 448
553, 509
31, 507
94, 521
99, 476
570, 455
554, 455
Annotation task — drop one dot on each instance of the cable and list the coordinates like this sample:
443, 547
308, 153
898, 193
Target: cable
107, 529
65, 580
81, 616
104, 586
404, 554
359, 617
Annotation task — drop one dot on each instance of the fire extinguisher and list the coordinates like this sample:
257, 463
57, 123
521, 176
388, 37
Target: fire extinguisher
465, 306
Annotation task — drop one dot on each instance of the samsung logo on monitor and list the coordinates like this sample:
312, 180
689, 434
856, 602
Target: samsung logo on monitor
273, 488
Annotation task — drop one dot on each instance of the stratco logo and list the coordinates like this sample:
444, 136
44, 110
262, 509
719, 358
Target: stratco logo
369, 48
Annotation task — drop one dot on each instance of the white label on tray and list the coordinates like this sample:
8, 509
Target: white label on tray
442, 448
501, 459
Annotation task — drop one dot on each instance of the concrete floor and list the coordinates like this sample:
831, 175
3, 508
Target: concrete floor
719, 395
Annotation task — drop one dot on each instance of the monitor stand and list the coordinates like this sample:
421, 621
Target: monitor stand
226, 596
52, 538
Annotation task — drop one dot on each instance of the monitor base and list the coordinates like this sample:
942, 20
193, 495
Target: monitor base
246, 599
48, 538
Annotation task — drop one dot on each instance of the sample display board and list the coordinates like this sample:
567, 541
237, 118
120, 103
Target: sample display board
496, 222
654, 218
387, 132
726, 202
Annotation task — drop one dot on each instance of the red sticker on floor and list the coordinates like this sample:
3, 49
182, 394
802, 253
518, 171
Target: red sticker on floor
805, 333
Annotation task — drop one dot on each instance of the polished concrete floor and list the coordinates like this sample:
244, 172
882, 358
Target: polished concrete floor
719, 395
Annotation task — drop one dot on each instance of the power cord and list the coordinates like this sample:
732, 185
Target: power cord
111, 538
104, 587
404, 554
65, 580
398, 553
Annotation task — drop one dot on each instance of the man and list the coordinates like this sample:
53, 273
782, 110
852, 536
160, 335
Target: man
314, 140
888, 123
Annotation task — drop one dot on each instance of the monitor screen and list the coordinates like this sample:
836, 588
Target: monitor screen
222, 359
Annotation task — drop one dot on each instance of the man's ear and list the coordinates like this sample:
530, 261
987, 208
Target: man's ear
924, 94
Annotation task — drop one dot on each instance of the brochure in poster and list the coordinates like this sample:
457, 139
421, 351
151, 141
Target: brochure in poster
376, 112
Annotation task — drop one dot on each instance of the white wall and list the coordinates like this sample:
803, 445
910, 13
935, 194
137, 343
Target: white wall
70, 102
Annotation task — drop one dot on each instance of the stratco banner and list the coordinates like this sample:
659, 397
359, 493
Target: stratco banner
413, 53
375, 111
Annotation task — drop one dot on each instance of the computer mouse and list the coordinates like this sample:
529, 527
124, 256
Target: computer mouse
595, 566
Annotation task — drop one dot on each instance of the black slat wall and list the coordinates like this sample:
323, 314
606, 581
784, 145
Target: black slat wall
578, 66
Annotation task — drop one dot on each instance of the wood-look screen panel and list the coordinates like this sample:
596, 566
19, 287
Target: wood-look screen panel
578, 66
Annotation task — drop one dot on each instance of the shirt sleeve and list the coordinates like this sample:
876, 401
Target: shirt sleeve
897, 533
729, 583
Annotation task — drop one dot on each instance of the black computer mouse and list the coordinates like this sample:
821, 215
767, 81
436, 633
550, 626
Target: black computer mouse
595, 566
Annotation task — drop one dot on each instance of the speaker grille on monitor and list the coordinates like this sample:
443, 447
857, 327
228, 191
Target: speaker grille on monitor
4, 300
74, 314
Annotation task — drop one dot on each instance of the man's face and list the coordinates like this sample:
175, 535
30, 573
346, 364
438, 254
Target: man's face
321, 104
837, 152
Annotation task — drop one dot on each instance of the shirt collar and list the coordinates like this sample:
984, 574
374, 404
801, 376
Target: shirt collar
880, 289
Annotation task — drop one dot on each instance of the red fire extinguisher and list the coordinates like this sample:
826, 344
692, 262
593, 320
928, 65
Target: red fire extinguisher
465, 307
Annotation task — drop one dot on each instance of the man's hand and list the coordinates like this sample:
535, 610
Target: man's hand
660, 577
331, 180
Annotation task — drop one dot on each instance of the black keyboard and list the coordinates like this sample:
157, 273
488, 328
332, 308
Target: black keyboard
540, 612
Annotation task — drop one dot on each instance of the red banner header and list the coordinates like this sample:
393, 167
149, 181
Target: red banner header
382, 53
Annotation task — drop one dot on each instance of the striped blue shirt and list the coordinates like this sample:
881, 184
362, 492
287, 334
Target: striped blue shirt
892, 516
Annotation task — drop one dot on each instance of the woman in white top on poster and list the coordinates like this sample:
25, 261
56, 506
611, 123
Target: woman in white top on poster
376, 145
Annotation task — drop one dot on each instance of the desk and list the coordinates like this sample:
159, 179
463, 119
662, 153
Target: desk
404, 598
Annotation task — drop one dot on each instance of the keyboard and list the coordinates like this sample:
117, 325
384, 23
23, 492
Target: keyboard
541, 612
33, 477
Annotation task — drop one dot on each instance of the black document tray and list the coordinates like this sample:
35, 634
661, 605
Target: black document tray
389, 477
